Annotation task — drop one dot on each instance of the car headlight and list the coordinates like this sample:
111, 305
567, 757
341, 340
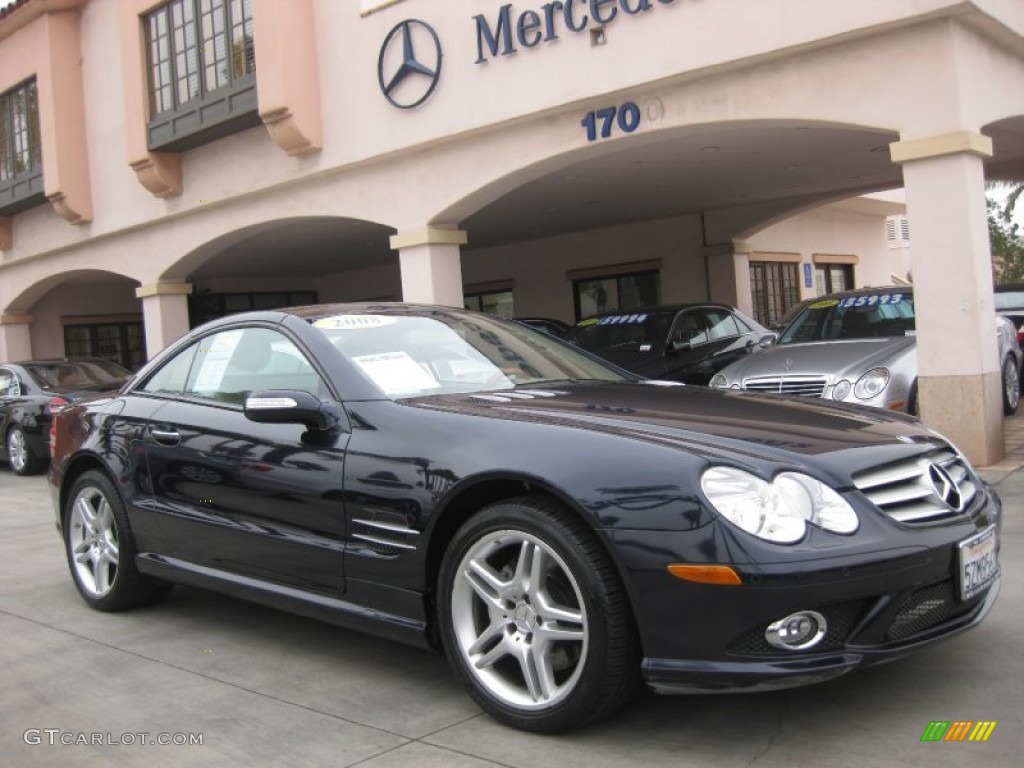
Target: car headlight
779, 510
718, 381
841, 390
871, 383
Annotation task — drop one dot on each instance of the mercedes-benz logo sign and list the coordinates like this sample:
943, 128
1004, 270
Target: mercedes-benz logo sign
945, 488
408, 72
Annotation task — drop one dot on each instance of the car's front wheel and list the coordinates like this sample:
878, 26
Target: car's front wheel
19, 455
1011, 386
100, 549
534, 619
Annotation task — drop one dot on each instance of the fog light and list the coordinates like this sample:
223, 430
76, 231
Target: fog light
797, 632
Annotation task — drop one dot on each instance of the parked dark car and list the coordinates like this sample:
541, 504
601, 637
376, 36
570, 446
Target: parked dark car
562, 529
547, 324
1009, 300
687, 343
28, 392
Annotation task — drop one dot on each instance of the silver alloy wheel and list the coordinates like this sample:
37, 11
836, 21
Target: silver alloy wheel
1011, 384
519, 620
92, 540
17, 449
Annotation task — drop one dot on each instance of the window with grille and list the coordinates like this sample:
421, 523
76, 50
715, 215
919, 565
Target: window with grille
204, 307
202, 71
124, 343
774, 288
21, 150
625, 291
498, 303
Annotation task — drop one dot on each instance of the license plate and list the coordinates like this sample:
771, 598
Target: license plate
978, 564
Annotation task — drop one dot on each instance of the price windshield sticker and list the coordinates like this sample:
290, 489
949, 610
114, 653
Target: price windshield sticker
871, 301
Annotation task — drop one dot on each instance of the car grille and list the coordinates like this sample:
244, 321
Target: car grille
926, 608
907, 492
807, 386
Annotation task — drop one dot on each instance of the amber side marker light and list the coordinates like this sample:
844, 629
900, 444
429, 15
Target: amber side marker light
706, 574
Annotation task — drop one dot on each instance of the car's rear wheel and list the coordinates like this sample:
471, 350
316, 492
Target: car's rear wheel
1011, 386
100, 549
19, 455
534, 619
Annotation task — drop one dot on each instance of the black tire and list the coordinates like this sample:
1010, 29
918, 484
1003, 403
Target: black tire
1010, 379
100, 549
23, 462
568, 619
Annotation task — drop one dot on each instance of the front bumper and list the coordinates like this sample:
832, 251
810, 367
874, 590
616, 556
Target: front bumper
886, 592
676, 676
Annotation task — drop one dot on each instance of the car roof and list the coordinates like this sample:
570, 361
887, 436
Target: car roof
662, 309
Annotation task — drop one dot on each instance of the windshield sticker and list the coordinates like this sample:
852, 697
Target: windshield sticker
870, 301
824, 304
621, 319
396, 373
354, 322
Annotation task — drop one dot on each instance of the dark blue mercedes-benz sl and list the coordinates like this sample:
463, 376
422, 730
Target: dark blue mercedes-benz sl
561, 528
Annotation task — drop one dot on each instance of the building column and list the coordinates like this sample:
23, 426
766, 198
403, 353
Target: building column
959, 387
164, 313
431, 265
728, 267
15, 337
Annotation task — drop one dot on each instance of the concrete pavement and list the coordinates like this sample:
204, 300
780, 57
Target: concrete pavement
263, 687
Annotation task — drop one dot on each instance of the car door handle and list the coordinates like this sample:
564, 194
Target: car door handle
165, 436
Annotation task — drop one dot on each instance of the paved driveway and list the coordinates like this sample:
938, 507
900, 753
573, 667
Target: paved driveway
266, 688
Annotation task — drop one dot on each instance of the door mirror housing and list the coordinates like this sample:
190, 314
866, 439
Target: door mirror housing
681, 346
288, 406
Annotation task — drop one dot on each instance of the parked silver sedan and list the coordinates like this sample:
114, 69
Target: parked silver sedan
856, 347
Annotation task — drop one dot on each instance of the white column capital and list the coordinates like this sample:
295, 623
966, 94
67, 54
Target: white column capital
428, 236
959, 142
163, 289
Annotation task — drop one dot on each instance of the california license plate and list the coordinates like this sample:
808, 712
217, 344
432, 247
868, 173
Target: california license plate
978, 564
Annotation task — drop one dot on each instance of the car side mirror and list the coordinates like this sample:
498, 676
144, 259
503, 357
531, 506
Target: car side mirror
768, 339
681, 346
287, 406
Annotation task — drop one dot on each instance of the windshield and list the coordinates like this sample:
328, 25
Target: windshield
628, 332
451, 352
853, 317
78, 373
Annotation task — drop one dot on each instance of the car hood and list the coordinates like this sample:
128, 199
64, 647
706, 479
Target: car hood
695, 418
831, 358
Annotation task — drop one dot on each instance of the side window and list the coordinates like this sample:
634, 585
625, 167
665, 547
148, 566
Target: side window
690, 328
722, 324
171, 377
9, 384
231, 364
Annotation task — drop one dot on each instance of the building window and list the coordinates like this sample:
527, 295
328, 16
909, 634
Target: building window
123, 342
774, 288
21, 150
498, 303
202, 72
830, 278
204, 307
626, 291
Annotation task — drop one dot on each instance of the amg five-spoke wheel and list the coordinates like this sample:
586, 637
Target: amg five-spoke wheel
519, 619
92, 539
19, 455
1011, 386
533, 617
100, 549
